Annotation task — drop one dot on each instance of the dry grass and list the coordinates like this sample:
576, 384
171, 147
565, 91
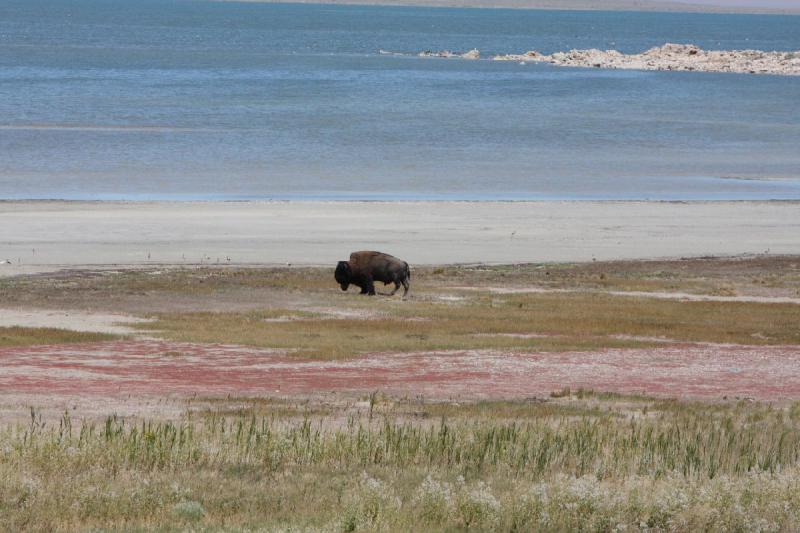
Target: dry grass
341, 338
19, 336
566, 321
584, 463
201, 288
563, 404
714, 276
261, 406
76, 287
580, 461
246, 305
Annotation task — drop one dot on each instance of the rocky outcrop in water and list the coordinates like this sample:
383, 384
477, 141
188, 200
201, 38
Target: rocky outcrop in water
671, 57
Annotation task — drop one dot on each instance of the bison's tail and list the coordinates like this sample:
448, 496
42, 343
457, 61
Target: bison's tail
406, 281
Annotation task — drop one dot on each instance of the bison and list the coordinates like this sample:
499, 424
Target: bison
365, 268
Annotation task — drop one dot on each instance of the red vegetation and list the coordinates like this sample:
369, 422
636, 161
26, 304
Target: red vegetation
152, 368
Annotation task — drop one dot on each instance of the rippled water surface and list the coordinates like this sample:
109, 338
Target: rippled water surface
189, 99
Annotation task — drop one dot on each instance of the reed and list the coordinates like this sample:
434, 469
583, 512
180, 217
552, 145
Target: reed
675, 467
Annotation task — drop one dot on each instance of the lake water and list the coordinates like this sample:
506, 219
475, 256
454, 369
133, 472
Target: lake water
163, 99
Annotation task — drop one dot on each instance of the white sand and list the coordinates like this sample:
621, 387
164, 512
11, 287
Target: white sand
37, 236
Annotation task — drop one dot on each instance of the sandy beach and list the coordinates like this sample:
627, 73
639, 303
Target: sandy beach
49, 235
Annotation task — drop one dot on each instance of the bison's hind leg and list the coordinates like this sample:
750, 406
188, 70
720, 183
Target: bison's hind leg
396, 288
406, 287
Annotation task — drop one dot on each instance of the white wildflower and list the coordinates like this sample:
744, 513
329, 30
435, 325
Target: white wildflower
433, 499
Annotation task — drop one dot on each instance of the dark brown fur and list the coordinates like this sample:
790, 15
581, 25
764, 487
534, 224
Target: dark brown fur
365, 268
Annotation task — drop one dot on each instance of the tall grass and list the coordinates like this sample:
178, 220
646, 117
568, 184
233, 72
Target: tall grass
675, 469
604, 446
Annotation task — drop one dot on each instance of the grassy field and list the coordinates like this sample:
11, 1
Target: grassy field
582, 462
576, 461
525, 321
258, 287
458, 307
20, 336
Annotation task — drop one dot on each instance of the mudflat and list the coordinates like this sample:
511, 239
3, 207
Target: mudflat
41, 236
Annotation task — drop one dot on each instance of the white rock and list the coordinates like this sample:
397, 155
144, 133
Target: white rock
673, 57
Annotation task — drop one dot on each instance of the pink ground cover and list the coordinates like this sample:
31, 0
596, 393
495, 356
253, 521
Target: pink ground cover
155, 368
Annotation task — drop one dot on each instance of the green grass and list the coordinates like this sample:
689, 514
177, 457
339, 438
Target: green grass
686, 468
19, 336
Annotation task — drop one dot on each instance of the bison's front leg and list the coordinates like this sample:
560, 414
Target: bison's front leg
369, 287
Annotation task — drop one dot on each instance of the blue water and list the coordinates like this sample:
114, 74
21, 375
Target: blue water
148, 99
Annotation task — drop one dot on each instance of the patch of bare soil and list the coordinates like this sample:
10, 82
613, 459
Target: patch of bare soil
158, 369
74, 320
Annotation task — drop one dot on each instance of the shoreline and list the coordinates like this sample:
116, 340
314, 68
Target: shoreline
51, 235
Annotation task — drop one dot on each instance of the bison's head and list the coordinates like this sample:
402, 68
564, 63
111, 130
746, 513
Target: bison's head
342, 274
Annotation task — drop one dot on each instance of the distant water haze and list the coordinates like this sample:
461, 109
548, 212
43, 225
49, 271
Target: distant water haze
769, 4
206, 100
725, 6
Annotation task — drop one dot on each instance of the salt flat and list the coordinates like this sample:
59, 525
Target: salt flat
38, 236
